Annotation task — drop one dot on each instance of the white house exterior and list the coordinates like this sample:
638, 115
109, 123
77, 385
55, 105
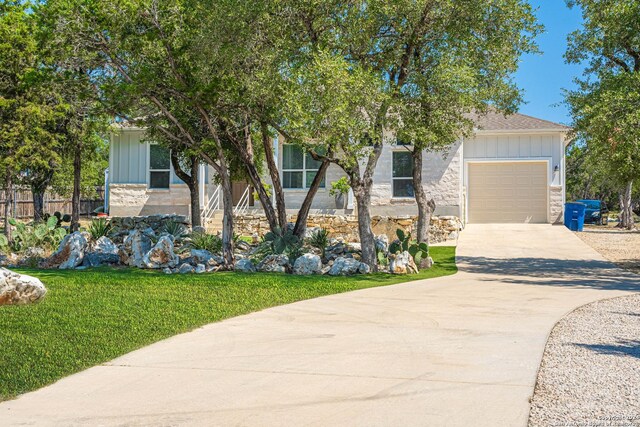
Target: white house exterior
511, 170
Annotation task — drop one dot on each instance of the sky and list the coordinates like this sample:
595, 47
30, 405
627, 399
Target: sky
544, 76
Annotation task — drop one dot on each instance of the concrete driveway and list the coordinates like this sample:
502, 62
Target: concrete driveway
457, 351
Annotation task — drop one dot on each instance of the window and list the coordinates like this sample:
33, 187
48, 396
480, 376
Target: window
402, 174
298, 168
159, 166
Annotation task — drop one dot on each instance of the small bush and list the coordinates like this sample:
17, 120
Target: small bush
99, 228
319, 240
208, 242
174, 228
340, 187
44, 235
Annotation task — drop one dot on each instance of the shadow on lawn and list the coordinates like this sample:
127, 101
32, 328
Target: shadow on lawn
552, 272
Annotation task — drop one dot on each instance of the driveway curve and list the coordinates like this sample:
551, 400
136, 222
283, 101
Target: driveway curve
457, 351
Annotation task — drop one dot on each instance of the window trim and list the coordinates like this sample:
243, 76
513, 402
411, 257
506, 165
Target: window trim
304, 171
393, 178
149, 170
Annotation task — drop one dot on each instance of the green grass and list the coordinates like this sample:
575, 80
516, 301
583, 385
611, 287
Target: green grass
90, 317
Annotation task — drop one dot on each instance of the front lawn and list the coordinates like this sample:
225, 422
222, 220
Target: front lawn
90, 317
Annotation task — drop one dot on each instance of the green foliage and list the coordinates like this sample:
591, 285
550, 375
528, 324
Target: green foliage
278, 242
175, 228
418, 251
340, 187
4, 243
159, 306
402, 244
208, 242
268, 188
99, 227
319, 239
42, 235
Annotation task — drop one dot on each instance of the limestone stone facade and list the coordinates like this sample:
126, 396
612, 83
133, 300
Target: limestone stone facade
346, 226
556, 205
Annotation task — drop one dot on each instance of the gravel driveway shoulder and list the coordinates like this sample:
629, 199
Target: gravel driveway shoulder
619, 246
591, 368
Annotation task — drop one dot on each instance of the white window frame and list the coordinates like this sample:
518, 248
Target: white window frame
394, 178
149, 170
304, 171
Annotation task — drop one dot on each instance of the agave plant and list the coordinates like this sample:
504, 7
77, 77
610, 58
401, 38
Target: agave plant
99, 228
174, 228
319, 240
209, 242
280, 243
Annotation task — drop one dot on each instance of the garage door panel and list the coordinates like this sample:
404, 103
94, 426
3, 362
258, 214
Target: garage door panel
507, 192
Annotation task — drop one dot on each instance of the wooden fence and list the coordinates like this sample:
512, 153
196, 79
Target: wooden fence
22, 206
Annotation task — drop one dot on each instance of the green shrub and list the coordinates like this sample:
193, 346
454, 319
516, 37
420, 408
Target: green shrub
44, 235
99, 228
174, 228
418, 251
340, 186
4, 244
319, 240
208, 242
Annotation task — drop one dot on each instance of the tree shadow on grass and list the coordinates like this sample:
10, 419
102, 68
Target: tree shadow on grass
620, 348
594, 274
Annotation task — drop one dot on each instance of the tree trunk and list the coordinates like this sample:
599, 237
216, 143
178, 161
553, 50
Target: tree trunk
274, 173
194, 193
75, 198
193, 183
425, 206
38, 205
8, 200
362, 193
301, 222
227, 220
626, 207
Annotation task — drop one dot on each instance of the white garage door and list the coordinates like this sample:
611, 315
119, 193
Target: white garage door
507, 192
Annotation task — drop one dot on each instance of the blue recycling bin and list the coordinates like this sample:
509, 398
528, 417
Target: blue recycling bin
574, 216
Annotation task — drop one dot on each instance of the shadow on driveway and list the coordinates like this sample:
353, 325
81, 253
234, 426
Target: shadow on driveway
594, 274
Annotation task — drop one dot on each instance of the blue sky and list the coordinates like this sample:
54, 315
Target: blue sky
544, 76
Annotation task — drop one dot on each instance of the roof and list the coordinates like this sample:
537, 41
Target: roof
494, 121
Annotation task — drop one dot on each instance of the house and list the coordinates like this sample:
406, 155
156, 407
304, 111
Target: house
511, 171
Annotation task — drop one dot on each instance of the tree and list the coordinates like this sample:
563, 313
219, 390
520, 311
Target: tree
606, 106
416, 67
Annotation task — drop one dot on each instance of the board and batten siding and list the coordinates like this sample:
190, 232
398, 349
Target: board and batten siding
504, 147
129, 159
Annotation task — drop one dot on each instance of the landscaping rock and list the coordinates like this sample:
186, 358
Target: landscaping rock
343, 266
104, 252
185, 269
161, 255
402, 263
135, 247
245, 266
200, 256
199, 229
241, 245
382, 243
70, 253
274, 264
307, 264
19, 288
167, 271
200, 268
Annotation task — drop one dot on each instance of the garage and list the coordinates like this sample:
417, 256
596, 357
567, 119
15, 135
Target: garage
507, 192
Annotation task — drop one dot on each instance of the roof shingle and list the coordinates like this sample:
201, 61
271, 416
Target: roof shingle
497, 121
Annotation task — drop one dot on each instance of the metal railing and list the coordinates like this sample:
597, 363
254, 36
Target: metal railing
213, 205
243, 204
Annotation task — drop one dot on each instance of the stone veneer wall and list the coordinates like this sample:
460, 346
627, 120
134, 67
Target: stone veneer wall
556, 206
124, 225
346, 227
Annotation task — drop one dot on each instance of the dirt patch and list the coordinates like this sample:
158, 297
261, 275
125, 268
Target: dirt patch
619, 246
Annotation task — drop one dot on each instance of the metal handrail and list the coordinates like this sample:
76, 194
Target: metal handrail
213, 204
243, 204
